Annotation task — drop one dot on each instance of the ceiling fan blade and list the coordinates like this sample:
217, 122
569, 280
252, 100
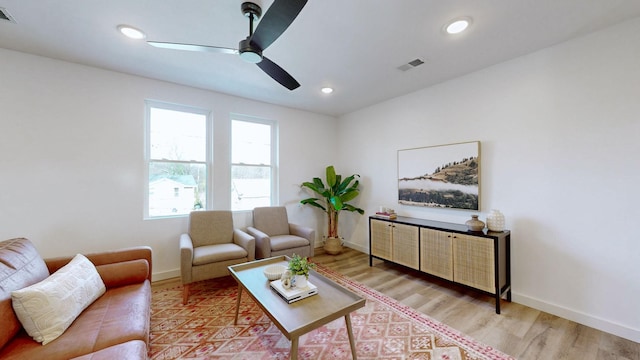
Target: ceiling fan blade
276, 20
192, 47
278, 74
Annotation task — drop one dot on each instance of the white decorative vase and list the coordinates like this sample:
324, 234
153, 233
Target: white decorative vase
301, 281
495, 220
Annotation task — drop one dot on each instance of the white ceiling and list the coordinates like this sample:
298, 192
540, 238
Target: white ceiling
354, 46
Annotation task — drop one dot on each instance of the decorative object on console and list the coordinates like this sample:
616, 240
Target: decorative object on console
334, 198
444, 176
495, 220
386, 213
475, 224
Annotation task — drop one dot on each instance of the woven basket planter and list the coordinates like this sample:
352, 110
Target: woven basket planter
333, 246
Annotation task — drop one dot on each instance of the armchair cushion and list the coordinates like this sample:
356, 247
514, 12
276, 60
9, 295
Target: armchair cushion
217, 253
284, 242
210, 227
274, 235
271, 220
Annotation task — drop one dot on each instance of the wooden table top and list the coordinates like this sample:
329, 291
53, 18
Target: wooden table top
332, 301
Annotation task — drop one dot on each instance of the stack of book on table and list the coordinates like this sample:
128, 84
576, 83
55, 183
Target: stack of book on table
294, 294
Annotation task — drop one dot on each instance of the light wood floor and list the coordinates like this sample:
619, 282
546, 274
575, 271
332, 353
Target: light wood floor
519, 331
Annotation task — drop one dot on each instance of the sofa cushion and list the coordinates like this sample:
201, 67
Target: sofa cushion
122, 314
271, 220
20, 266
124, 273
46, 309
135, 349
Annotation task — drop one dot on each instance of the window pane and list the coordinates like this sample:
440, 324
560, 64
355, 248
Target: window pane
176, 188
251, 143
177, 135
250, 187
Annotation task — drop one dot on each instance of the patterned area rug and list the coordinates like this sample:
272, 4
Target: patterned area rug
383, 329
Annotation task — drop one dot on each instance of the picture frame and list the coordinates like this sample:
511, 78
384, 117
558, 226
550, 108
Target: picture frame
440, 176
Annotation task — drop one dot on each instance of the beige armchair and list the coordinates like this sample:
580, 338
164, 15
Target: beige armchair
211, 245
276, 236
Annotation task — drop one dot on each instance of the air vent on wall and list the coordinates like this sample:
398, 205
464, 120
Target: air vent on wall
4, 15
411, 64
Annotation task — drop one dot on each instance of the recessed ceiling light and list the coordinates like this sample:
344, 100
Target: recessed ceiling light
327, 90
131, 32
457, 25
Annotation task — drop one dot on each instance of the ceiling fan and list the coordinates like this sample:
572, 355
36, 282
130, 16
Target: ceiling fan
275, 21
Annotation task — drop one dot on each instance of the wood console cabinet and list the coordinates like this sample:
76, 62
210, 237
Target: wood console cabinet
480, 260
396, 242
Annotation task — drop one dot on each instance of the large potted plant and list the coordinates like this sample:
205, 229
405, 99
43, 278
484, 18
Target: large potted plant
332, 199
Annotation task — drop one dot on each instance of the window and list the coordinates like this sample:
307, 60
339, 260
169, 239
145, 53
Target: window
177, 156
253, 163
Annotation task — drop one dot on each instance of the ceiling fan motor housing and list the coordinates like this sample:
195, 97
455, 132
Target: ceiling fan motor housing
249, 52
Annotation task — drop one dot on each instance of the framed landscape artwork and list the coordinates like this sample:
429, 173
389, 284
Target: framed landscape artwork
444, 176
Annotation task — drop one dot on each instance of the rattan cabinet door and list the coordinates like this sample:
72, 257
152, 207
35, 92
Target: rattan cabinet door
436, 253
405, 239
473, 262
381, 239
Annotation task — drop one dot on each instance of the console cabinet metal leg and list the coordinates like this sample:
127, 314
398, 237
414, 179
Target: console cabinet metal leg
479, 260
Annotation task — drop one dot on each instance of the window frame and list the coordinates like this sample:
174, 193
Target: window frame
273, 125
208, 163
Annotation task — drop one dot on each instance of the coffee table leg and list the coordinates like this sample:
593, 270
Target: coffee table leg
352, 342
294, 349
235, 322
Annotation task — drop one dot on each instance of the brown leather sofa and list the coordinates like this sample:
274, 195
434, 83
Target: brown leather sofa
115, 326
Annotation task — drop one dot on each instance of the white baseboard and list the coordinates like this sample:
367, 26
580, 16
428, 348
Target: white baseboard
579, 317
356, 247
164, 275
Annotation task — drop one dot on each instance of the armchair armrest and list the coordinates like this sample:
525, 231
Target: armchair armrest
305, 232
186, 258
263, 243
107, 258
247, 242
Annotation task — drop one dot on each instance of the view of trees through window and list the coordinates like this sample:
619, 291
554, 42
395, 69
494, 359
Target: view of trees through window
177, 158
252, 164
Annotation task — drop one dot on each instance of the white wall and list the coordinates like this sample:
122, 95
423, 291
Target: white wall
560, 140
72, 166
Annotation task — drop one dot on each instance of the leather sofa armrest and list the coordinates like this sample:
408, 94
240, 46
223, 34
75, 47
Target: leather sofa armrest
186, 258
263, 243
107, 257
247, 242
305, 232
123, 273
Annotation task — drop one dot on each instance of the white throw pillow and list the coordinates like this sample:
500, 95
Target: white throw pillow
46, 309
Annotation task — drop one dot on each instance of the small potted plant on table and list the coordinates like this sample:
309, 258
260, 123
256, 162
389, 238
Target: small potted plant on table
299, 267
